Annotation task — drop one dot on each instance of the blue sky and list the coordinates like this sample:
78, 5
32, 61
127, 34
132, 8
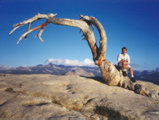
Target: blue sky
134, 24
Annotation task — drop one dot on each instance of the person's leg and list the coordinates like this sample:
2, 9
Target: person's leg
132, 74
124, 68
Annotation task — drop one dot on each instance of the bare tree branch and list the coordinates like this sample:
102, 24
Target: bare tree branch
14, 29
33, 19
29, 25
40, 33
89, 35
103, 39
31, 30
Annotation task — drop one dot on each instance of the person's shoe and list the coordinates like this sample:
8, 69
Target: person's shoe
133, 79
125, 73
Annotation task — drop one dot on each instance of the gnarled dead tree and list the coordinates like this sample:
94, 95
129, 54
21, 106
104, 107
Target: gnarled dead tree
109, 72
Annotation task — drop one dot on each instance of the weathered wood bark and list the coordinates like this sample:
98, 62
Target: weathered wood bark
109, 72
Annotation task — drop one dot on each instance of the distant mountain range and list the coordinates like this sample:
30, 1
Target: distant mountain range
151, 76
147, 75
48, 69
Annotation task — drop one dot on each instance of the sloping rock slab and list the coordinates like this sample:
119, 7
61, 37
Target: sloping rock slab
71, 97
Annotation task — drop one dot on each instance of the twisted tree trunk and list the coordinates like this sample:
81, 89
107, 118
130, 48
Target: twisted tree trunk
109, 72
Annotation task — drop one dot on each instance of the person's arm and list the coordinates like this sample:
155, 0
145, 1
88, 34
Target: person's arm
119, 59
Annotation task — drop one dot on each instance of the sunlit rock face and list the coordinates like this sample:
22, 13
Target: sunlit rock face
72, 96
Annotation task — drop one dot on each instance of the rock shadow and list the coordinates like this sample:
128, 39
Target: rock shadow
96, 78
109, 113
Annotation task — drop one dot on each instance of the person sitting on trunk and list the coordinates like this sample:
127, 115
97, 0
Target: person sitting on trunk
124, 63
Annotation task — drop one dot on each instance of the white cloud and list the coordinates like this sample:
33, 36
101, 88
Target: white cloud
85, 62
5, 67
